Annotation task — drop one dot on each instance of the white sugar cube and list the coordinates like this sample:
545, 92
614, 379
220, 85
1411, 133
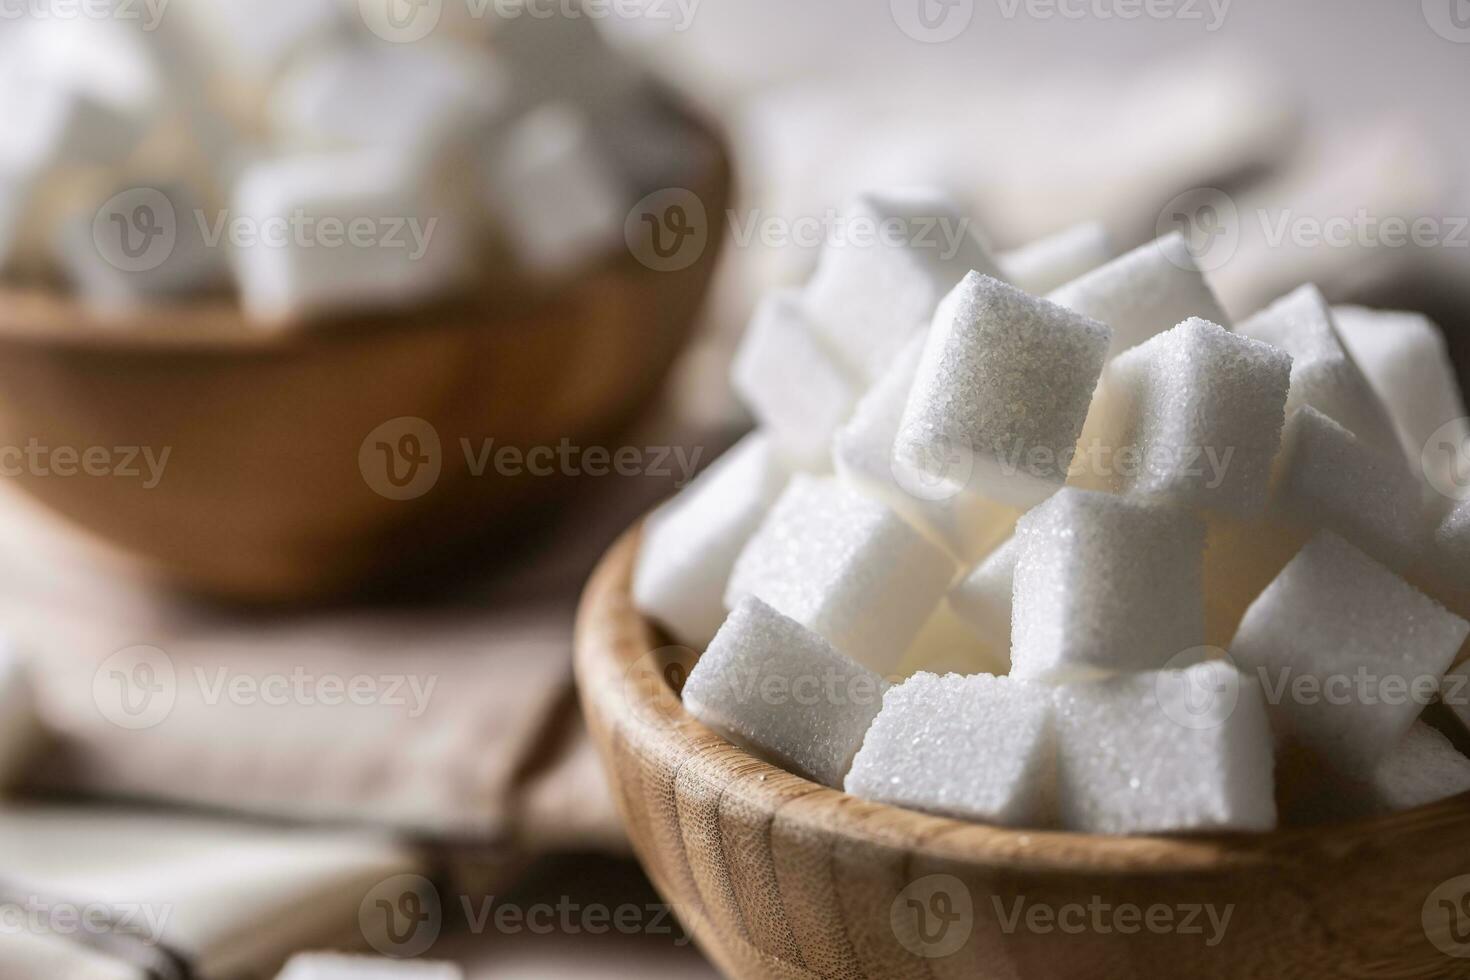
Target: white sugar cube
788, 380
20, 727
555, 192
690, 543
1001, 395
1193, 416
883, 272
862, 451
1422, 768
1348, 652
1142, 294
846, 566
337, 966
1406, 361
983, 597
339, 231
141, 246
353, 94
1165, 752
1103, 584
1323, 374
771, 684
975, 748
1054, 261
1326, 477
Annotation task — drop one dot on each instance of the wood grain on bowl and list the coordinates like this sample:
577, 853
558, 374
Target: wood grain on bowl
779, 877
264, 496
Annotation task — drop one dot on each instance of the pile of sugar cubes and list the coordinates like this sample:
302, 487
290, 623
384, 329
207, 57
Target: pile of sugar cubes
305, 156
1041, 539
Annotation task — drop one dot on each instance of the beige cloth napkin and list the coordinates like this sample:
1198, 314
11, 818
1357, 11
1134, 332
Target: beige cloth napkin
452, 719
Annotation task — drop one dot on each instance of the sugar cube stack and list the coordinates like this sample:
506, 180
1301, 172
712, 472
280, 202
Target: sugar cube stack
1326, 477
770, 683
966, 525
982, 598
975, 748
1407, 363
1104, 584
1323, 374
1164, 752
845, 566
690, 543
1213, 611
1143, 293
1052, 262
1193, 416
1001, 394
793, 387
1350, 652
896, 255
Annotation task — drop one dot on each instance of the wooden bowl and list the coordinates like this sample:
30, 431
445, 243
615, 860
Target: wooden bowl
271, 488
776, 876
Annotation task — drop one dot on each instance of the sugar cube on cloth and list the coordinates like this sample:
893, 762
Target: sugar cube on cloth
1104, 584
846, 566
1193, 416
690, 543
1323, 374
771, 684
1143, 293
1002, 391
793, 386
1348, 653
1053, 261
976, 748
892, 258
1165, 751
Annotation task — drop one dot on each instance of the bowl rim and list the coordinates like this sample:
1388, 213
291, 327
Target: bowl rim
616, 647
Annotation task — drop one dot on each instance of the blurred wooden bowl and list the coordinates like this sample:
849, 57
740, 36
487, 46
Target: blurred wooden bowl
779, 877
263, 496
